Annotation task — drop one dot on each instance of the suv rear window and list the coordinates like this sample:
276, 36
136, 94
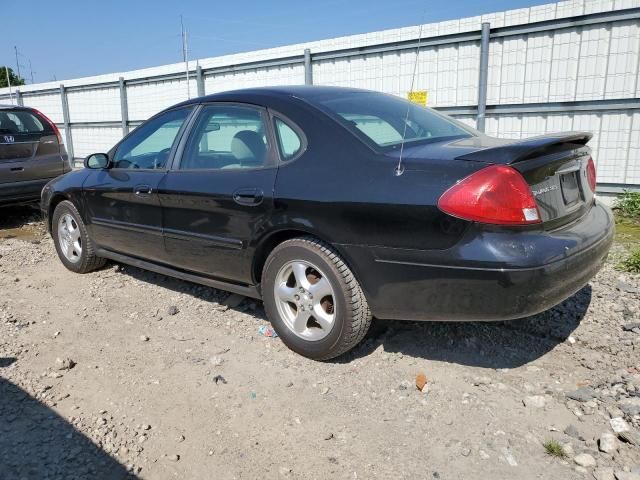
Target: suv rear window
20, 121
384, 119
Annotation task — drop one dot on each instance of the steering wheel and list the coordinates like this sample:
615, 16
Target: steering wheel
161, 158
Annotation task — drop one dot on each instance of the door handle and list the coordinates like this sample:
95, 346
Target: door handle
248, 196
143, 190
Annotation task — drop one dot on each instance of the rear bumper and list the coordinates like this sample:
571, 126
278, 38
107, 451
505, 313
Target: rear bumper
21, 192
499, 275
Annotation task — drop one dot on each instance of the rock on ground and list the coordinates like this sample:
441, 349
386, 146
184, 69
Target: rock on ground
585, 460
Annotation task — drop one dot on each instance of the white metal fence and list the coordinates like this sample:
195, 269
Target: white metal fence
571, 65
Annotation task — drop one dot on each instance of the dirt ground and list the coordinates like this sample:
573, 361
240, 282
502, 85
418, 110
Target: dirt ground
123, 373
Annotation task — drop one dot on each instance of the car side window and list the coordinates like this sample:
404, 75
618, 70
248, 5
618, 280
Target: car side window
227, 137
149, 145
289, 141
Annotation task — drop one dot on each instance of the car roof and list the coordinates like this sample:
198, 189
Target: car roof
303, 92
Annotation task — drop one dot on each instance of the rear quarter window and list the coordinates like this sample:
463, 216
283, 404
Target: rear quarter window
289, 141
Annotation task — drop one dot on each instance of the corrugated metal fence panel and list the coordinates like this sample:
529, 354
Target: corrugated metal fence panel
448, 73
612, 153
469, 121
257, 77
49, 104
587, 63
633, 165
590, 122
147, 99
615, 145
468, 73
564, 66
538, 68
446, 84
622, 67
87, 140
95, 105
592, 66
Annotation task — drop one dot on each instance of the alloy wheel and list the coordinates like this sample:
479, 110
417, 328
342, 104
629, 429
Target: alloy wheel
305, 300
69, 238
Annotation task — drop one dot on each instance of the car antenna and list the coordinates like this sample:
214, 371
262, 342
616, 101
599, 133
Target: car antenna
399, 170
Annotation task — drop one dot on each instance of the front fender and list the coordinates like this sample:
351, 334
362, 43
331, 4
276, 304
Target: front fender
65, 187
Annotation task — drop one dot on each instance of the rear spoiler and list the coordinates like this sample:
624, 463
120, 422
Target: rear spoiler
519, 150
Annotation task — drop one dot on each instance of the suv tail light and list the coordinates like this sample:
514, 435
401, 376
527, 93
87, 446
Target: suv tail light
53, 126
497, 194
591, 174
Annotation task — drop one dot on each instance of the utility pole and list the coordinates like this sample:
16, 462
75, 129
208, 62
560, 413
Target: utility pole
6, 70
185, 54
15, 48
31, 70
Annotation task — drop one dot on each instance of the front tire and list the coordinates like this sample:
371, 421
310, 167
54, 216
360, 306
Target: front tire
313, 300
75, 248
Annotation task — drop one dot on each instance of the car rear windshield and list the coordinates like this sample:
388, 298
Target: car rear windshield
20, 121
384, 119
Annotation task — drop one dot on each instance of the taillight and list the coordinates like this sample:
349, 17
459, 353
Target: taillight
53, 126
496, 194
591, 174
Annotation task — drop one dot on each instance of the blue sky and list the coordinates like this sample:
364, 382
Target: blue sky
75, 38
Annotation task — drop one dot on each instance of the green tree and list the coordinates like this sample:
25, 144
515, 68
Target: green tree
15, 79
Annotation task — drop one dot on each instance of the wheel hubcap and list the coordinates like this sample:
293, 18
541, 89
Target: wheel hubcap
69, 238
305, 300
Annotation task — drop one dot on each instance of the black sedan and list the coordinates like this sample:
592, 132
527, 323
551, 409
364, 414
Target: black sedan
335, 205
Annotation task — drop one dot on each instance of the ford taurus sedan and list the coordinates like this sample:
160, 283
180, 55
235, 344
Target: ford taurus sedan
338, 205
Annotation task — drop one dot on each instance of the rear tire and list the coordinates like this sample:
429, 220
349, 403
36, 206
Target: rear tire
319, 327
75, 248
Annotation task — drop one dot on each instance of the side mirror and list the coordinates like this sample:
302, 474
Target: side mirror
97, 161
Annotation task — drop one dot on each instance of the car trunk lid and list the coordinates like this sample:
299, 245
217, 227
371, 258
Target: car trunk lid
554, 166
18, 146
504, 151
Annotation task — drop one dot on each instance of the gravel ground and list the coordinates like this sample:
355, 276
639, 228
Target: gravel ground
123, 373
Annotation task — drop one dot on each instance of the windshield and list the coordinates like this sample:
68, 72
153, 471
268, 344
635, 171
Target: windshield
382, 119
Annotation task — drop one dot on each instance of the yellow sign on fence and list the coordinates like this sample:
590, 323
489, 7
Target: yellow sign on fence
418, 96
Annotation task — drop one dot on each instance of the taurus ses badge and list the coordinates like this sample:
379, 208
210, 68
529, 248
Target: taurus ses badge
9, 139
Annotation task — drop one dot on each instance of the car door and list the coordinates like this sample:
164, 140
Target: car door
122, 200
219, 195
